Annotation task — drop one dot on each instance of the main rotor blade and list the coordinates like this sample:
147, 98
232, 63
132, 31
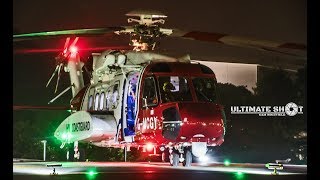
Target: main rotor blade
54, 72
41, 108
74, 41
35, 50
77, 32
237, 40
59, 70
66, 43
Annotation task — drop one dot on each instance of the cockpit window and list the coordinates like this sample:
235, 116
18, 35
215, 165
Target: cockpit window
205, 89
149, 92
174, 88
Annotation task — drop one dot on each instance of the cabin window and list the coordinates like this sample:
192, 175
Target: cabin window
174, 88
149, 92
108, 98
112, 96
96, 102
205, 88
101, 101
90, 102
115, 96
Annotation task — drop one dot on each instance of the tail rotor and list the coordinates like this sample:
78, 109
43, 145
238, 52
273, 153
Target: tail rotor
62, 60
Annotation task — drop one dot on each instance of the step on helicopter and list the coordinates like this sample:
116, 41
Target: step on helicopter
142, 99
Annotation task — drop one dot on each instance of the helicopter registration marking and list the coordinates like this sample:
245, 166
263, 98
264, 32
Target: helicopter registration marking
78, 126
149, 122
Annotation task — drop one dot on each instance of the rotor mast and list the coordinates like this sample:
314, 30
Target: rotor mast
146, 33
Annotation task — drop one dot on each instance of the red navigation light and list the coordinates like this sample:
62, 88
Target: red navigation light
73, 49
65, 51
149, 147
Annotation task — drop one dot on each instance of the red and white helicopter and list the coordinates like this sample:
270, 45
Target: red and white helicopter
140, 98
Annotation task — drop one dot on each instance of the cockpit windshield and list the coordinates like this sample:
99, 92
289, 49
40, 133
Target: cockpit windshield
174, 88
205, 89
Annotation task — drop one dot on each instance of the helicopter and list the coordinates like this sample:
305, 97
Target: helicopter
140, 98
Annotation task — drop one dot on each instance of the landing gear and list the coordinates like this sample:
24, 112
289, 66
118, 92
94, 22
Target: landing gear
70, 154
177, 155
74, 153
187, 158
174, 159
82, 155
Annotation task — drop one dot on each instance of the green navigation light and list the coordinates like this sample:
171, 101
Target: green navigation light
239, 175
91, 174
226, 162
66, 136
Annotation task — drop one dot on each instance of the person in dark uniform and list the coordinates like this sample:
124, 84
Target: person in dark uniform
168, 87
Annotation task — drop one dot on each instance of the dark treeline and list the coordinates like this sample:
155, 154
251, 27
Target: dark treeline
249, 138
257, 138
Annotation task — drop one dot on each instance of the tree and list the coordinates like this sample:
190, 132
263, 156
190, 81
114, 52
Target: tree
30, 127
275, 87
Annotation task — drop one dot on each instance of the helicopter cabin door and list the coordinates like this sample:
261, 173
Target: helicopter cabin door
149, 100
130, 104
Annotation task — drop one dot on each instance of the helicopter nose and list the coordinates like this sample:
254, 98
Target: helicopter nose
193, 120
202, 119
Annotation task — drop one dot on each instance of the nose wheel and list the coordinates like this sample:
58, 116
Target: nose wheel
175, 156
174, 159
187, 158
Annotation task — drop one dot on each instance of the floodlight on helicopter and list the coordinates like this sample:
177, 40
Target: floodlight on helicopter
140, 98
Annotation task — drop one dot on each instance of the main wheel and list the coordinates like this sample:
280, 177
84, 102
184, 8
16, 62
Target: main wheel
170, 159
174, 159
187, 158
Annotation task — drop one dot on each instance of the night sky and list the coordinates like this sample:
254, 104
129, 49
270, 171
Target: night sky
271, 20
